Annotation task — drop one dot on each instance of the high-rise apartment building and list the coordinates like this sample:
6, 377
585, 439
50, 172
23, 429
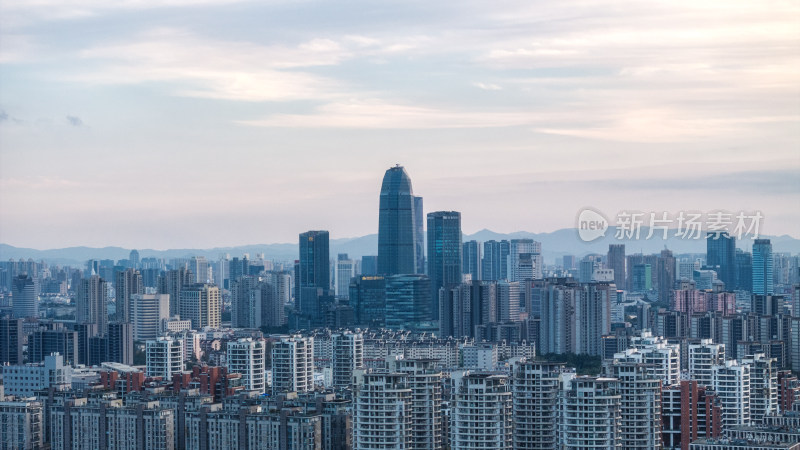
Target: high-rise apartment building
665, 272
481, 412
127, 283
382, 411
591, 414
640, 405
702, 359
444, 254
164, 357
536, 386
425, 382
293, 365
172, 283
731, 384
397, 225
119, 343
348, 355
247, 357
616, 262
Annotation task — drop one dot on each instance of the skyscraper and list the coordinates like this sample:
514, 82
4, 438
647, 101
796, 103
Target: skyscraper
471, 259
12, 338
134, 259
419, 234
24, 297
397, 226
444, 254
408, 301
524, 260
345, 271
763, 282
616, 261
480, 414
127, 283
90, 302
665, 273
201, 304
172, 282
247, 357
494, 265
314, 273
721, 257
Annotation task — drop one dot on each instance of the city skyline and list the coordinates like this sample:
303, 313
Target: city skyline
115, 130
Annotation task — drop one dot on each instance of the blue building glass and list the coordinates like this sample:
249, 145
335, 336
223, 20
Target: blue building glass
444, 254
762, 267
396, 225
408, 301
721, 257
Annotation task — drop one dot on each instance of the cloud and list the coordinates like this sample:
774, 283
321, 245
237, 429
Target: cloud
380, 114
487, 86
75, 121
3, 116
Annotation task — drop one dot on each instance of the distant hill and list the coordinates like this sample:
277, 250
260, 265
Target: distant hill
554, 245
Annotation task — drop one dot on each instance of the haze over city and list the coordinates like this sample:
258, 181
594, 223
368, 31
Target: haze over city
199, 124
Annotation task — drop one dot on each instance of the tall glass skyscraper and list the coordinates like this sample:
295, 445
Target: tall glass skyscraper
314, 271
494, 263
721, 256
397, 229
444, 254
762, 267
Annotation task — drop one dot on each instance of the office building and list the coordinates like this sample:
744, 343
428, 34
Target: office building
397, 225
481, 411
44, 342
24, 297
147, 312
444, 254
763, 282
368, 299
471, 259
408, 304
744, 271
293, 365
24, 380
12, 339
248, 358
200, 268
369, 265
345, 271
314, 274
201, 304
524, 260
494, 265
721, 256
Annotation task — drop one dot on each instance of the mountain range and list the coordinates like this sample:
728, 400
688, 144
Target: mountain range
554, 245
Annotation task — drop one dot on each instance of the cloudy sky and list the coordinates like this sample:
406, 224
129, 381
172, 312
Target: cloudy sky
201, 123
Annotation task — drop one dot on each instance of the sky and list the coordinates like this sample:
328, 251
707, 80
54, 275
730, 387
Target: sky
203, 123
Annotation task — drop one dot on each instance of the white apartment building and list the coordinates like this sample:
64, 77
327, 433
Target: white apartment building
590, 411
481, 412
293, 365
147, 313
164, 357
731, 383
24, 380
702, 358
